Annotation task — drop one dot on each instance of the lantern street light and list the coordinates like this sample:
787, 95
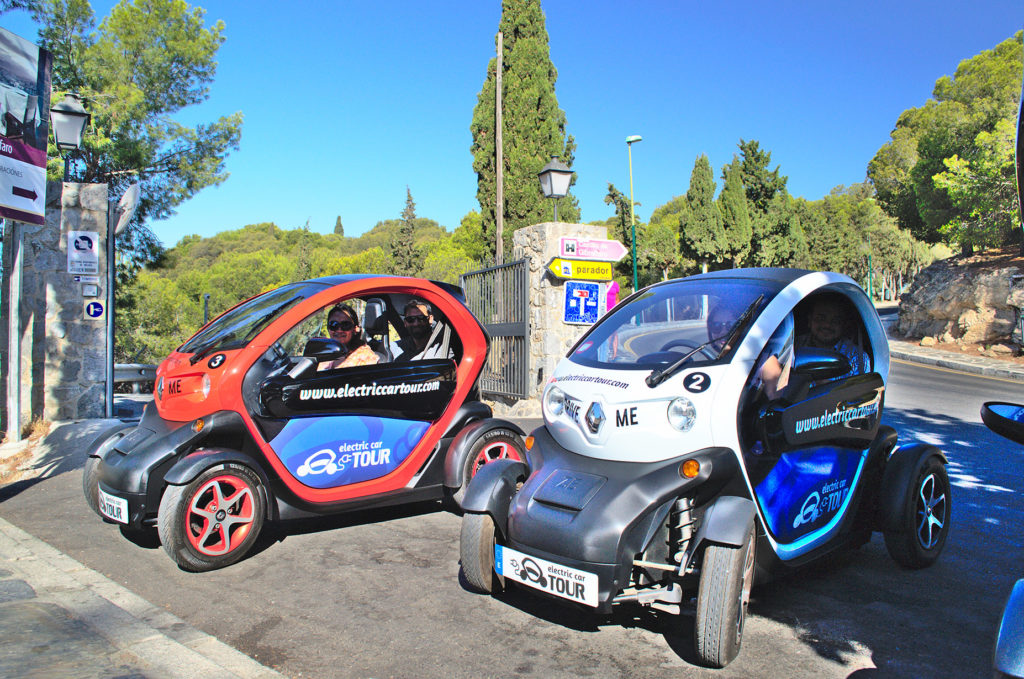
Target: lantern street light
554, 180
632, 218
69, 119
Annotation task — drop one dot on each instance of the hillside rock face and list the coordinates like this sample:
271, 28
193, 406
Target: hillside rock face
964, 301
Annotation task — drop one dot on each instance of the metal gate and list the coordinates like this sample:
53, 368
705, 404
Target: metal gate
499, 297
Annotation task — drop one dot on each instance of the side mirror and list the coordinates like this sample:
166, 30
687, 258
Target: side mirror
819, 364
323, 348
1005, 419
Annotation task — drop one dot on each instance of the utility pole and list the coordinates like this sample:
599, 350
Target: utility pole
499, 208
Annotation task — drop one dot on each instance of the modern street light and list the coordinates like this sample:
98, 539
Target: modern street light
632, 218
69, 119
555, 178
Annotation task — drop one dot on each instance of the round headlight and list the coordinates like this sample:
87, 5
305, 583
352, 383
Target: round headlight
554, 401
682, 414
206, 385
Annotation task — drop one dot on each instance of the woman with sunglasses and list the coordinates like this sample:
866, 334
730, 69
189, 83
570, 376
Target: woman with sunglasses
343, 326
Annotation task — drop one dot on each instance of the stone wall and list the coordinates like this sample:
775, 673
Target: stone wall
63, 352
550, 338
959, 302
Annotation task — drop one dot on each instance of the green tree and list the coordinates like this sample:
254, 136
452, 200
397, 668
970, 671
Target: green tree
403, 249
533, 125
760, 183
338, 228
732, 204
701, 236
470, 238
621, 226
941, 175
148, 60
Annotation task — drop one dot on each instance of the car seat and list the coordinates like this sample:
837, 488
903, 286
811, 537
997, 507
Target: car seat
375, 323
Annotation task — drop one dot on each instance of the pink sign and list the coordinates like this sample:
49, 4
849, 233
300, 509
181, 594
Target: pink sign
591, 248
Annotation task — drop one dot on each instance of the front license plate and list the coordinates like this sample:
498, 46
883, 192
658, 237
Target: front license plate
112, 507
553, 578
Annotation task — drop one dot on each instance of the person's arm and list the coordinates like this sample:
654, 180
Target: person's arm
771, 377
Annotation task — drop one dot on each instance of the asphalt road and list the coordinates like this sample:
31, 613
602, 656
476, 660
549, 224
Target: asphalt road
378, 594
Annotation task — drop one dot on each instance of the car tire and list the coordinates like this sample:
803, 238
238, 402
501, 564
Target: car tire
723, 593
91, 484
91, 472
500, 443
924, 522
229, 497
476, 552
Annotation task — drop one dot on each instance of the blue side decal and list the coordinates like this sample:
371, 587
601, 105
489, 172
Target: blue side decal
329, 452
806, 494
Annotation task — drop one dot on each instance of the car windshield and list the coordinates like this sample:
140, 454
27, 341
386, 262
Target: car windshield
668, 321
236, 327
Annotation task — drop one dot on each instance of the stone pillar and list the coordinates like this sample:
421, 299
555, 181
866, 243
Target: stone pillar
550, 338
63, 352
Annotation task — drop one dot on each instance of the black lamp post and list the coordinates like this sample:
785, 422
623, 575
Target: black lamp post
68, 118
554, 180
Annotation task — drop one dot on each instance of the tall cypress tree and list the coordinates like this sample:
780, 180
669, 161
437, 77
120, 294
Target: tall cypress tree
732, 204
533, 125
701, 232
402, 251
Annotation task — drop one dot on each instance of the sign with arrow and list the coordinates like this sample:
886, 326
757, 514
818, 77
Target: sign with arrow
591, 248
581, 270
25, 93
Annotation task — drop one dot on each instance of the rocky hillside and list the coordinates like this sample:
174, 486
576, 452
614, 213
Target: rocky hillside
966, 301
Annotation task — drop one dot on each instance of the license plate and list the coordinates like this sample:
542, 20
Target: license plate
112, 507
553, 578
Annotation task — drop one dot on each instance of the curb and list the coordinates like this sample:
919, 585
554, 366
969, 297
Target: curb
154, 641
976, 365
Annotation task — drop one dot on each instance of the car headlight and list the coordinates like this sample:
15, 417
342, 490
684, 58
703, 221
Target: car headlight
554, 401
681, 414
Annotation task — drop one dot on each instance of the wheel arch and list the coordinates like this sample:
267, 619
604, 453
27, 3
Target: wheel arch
492, 489
726, 521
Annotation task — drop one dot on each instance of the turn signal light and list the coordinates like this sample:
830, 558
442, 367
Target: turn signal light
198, 425
529, 442
689, 469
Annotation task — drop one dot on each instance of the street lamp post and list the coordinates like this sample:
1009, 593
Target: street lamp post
632, 217
554, 180
69, 119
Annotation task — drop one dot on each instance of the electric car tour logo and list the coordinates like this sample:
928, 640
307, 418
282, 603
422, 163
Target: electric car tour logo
827, 500
837, 416
361, 454
374, 389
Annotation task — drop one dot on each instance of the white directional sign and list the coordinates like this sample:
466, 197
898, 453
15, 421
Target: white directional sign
591, 248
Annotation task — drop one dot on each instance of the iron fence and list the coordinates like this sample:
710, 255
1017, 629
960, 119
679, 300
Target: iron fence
499, 297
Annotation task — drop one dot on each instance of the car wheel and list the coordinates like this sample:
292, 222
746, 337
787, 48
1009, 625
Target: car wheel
496, 444
726, 577
91, 484
213, 521
91, 473
476, 552
924, 522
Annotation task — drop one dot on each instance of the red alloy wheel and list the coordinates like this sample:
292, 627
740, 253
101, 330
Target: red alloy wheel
497, 450
220, 515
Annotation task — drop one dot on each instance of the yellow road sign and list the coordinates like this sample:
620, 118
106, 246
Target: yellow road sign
580, 269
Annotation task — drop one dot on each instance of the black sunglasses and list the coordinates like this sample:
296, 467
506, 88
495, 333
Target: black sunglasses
340, 325
418, 318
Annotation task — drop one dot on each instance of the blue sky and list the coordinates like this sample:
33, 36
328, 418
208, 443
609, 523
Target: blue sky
346, 103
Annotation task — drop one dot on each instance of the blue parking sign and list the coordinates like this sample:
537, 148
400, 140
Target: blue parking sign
582, 302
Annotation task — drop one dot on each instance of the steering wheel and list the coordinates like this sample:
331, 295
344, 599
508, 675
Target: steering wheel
688, 346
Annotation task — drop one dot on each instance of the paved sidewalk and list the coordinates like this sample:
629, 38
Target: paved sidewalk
61, 619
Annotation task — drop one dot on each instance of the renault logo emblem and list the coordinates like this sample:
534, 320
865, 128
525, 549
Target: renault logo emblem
595, 417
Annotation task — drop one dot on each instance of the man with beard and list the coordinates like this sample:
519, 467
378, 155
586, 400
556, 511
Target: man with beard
427, 338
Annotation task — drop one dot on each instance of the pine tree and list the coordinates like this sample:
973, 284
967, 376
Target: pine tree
402, 251
338, 228
732, 204
701, 234
533, 125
